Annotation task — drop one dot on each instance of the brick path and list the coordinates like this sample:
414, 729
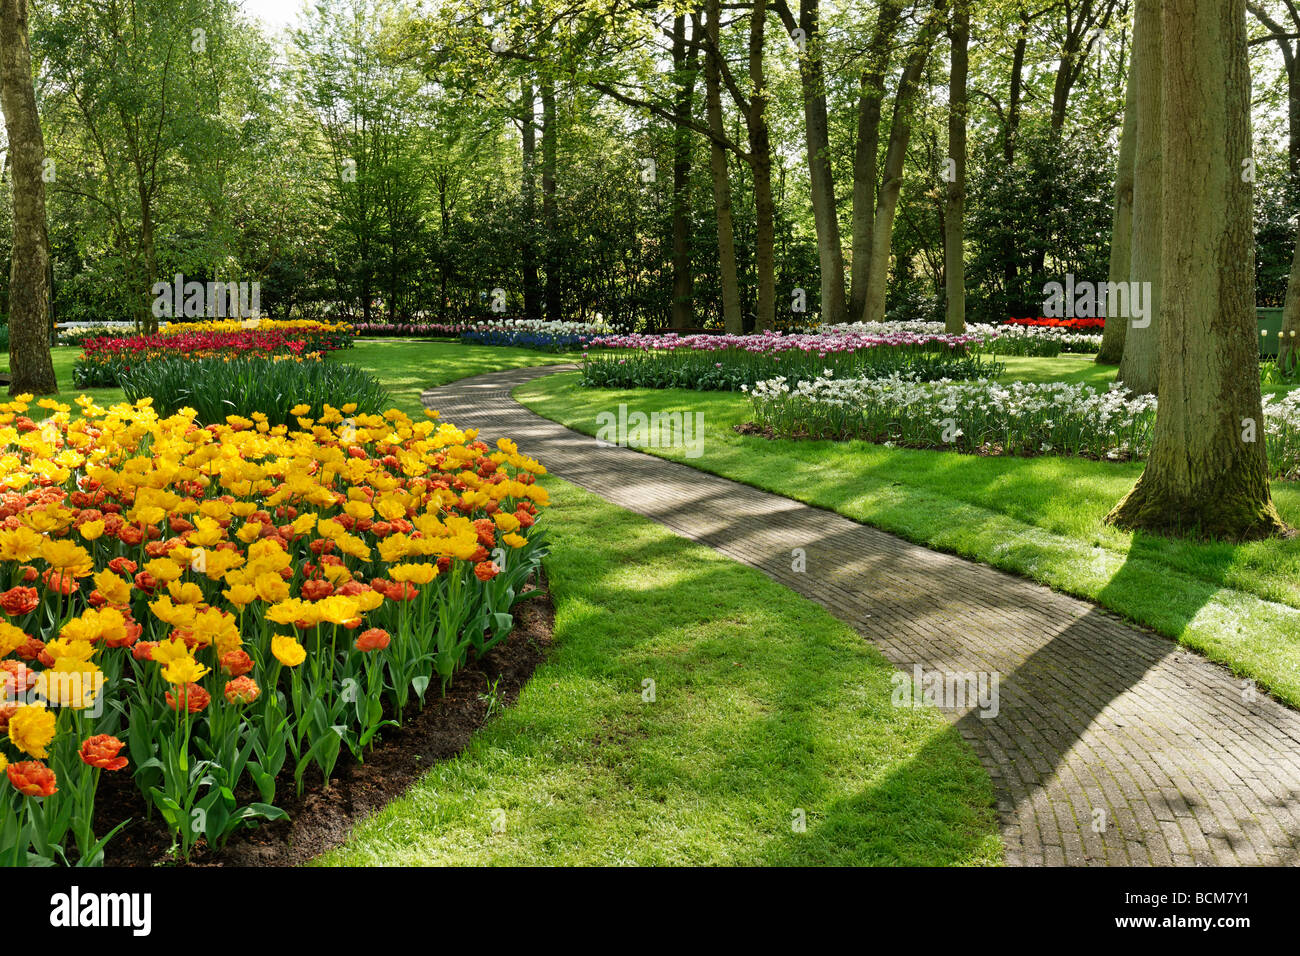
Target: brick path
1094, 715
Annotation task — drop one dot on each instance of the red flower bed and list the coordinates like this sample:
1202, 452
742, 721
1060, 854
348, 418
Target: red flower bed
189, 343
1077, 324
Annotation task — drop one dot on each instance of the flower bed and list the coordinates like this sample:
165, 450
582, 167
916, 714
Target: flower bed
215, 388
412, 330
533, 334
317, 336
1040, 341
1020, 418
201, 608
732, 362
1078, 325
105, 361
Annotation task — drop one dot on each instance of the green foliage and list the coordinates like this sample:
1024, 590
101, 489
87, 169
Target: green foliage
216, 388
1045, 215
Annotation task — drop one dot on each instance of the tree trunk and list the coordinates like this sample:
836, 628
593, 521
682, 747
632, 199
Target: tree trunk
30, 365
683, 313
1016, 90
866, 151
760, 151
882, 232
1121, 232
1287, 347
812, 80
550, 211
954, 225
1207, 473
528, 248
727, 278
1139, 366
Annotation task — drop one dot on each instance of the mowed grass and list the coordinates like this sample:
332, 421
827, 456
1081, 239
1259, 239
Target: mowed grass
764, 706
409, 366
1041, 517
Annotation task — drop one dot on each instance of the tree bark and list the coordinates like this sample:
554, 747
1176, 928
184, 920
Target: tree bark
1139, 366
1207, 473
954, 217
760, 151
1016, 90
1121, 232
550, 210
528, 248
882, 231
866, 151
812, 81
727, 277
683, 310
30, 365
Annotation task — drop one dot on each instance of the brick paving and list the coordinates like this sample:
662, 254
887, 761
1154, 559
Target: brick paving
1100, 726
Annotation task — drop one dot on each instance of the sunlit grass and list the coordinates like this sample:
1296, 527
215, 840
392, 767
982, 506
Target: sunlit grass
764, 705
1040, 517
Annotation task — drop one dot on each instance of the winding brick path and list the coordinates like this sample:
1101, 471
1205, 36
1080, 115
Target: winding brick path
1093, 715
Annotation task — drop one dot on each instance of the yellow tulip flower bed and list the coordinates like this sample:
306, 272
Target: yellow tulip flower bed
205, 607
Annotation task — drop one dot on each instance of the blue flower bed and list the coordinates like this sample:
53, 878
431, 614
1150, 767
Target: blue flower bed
539, 341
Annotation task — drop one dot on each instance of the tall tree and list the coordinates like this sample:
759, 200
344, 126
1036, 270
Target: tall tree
812, 79
1207, 472
528, 172
550, 206
954, 224
30, 364
891, 184
1121, 233
871, 95
1139, 367
684, 64
727, 273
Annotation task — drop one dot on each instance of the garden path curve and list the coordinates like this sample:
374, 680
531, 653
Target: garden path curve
1094, 715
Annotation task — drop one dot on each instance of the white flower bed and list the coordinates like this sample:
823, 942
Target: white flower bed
542, 327
1020, 418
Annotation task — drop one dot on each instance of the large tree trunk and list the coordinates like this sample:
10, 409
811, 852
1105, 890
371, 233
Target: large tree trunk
1121, 231
882, 231
812, 80
866, 149
528, 248
550, 211
1207, 473
954, 215
1139, 368
760, 151
727, 277
29, 290
683, 312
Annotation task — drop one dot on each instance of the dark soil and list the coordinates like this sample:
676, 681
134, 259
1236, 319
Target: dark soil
322, 818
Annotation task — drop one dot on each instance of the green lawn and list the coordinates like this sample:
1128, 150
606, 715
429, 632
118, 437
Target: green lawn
764, 705
409, 366
1042, 517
